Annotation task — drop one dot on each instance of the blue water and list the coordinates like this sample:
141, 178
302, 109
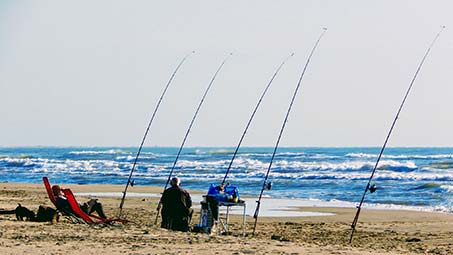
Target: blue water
420, 177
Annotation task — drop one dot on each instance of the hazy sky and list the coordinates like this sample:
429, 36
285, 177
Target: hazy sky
89, 73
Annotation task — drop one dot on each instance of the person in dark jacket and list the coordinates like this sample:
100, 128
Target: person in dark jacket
176, 207
89, 207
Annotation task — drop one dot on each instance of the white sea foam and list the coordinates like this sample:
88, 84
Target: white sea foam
348, 165
323, 156
448, 188
19, 161
131, 158
210, 164
383, 174
283, 165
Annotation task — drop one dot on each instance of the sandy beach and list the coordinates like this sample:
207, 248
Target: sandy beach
378, 231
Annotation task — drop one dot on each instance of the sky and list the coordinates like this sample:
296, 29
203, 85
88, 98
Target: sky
89, 73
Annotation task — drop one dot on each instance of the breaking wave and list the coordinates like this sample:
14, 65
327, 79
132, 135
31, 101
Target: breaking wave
402, 156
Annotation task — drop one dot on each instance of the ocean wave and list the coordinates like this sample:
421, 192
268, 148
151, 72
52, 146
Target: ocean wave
219, 152
440, 165
401, 156
447, 188
249, 164
130, 158
323, 156
429, 185
27, 162
203, 164
291, 154
379, 176
56, 166
439, 209
397, 165
284, 165
98, 152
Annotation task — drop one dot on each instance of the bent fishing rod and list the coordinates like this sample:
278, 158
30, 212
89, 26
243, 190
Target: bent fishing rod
258, 203
147, 130
253, 115
188, 131
372, 188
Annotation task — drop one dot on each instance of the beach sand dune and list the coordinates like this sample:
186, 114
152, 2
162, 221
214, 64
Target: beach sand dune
378, 231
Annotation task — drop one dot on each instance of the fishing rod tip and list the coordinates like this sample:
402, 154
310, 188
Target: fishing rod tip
193, 51
231, 53
292, 54
443, 26
324, 28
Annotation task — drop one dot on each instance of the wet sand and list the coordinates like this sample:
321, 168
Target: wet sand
378, 231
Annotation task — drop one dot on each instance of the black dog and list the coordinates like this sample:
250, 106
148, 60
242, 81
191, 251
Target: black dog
21, 213
24, 213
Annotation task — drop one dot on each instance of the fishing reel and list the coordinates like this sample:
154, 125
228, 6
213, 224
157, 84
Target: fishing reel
373, 188
268, 185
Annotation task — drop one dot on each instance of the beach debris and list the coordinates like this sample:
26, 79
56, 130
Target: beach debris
129, 182
258, 202
356, 217
413, 239
279, 238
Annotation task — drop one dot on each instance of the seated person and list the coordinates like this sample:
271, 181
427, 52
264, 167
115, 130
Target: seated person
213, 201
176, 207
217, 194
89, 207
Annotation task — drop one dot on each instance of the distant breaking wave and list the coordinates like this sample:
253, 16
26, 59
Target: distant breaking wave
97, 152
435, 156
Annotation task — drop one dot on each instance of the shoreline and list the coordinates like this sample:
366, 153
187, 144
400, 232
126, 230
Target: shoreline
116, 190
378, 231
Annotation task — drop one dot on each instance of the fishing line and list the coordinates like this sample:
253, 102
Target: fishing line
188, 131
146, 132
251, 117
258, 203
373, 188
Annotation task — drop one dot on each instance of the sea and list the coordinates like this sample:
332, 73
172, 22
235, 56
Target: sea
414, 178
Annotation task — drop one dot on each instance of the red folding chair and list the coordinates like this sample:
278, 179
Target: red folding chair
75, 207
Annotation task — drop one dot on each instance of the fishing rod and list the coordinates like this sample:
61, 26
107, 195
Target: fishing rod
146, 132
251, 117
373, 188
258, 203
188, 131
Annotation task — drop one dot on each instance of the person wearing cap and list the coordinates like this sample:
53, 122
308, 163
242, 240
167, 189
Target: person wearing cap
176, 207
